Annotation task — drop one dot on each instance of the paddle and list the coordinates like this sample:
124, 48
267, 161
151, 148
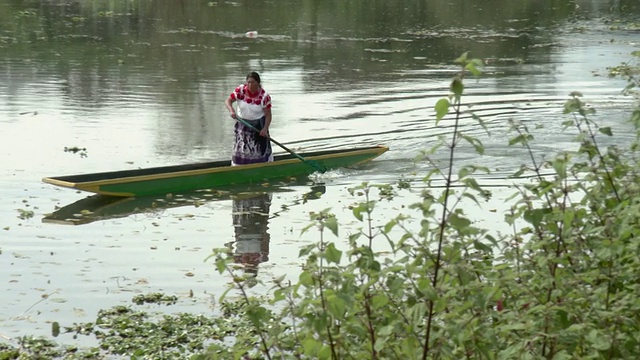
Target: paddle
311, 163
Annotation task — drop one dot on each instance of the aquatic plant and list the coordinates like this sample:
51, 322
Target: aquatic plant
25, 214
76, 150
137, 333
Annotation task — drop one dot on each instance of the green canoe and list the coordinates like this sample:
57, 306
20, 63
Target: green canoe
182, 178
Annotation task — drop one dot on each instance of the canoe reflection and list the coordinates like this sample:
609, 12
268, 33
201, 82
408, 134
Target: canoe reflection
103, 207
251, 214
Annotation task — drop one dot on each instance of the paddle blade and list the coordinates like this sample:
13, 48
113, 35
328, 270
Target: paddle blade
317, 166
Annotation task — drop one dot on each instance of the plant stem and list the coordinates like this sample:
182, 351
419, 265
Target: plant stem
245, 297
442, 227
372, 334
323, 300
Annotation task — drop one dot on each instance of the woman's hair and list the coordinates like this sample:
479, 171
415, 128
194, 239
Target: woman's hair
254, 75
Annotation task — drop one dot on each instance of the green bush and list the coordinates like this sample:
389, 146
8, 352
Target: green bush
562, 285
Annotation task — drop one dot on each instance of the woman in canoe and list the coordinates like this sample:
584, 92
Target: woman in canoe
254, 107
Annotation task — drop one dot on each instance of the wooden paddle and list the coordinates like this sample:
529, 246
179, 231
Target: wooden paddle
311, 163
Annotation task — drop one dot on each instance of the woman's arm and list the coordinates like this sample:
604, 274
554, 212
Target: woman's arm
267, 122
228, 103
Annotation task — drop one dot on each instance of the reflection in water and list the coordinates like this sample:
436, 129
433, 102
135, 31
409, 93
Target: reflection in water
251, 228
103, 207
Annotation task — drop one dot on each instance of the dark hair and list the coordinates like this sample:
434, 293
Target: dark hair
254, 75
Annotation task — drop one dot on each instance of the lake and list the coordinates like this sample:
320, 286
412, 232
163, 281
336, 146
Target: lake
141, 84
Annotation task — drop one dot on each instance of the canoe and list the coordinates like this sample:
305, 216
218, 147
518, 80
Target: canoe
209, 175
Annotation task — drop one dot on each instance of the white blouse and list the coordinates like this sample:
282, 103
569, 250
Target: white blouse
251, 106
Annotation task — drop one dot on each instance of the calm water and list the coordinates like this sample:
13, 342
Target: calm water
142, 83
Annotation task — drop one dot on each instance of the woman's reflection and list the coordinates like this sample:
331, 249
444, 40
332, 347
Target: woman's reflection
251, 227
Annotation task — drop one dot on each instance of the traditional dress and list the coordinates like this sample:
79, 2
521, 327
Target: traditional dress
249, 147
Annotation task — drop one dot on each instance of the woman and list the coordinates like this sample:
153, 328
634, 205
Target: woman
253, 106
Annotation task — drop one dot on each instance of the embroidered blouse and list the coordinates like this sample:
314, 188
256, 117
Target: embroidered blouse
251, 105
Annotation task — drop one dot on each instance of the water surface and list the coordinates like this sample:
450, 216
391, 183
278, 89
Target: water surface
142, 83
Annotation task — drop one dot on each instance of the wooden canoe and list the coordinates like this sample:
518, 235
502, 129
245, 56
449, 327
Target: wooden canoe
208, 175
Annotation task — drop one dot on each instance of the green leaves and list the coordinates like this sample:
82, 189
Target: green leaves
522, 139
577, 106
323, 220
598, 341
457, 88
458, 222
470, 65
535, 216
363, 208
332, 254
331, 223
475, 142
442, 109
606, 131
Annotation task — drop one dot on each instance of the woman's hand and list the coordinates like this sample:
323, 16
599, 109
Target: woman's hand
264, 132
233, 114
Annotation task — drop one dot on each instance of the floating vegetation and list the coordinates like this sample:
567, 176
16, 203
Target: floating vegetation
154, 298
123, 330
385, 50
25, 214
76, 150
55, 329
28, 13
626, 69
503, 61
404, 184
619, 25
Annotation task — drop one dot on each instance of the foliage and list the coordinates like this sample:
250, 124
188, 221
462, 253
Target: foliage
562, 285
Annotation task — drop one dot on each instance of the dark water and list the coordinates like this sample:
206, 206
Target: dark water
142, 83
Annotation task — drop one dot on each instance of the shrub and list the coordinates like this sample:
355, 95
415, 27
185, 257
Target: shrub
562, 285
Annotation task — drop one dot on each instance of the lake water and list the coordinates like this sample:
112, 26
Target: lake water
139, 84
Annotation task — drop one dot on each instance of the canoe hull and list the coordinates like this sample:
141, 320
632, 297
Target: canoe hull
170, 179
